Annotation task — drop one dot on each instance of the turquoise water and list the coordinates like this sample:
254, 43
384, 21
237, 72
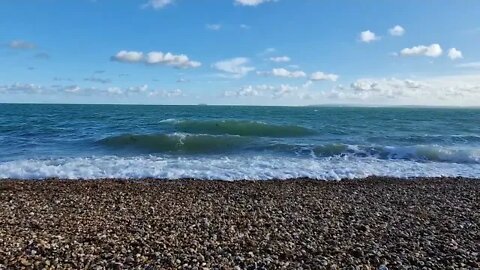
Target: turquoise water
222, 142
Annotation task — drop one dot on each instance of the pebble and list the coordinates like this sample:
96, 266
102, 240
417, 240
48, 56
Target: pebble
373, 223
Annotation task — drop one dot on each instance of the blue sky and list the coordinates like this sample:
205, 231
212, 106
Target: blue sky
283, 52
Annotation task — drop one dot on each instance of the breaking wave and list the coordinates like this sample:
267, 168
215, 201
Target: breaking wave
176, 143
241, 128
185, 144
228, 168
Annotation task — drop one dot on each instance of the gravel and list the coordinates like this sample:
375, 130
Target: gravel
375, 223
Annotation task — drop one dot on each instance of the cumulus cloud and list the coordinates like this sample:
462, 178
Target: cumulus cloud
72, 89
268, 91
397, 31
285, 73
213, 27
236, 67
138, 89
320, 76
461, 90
115, 91
179, 61
128, 57
252, 3
158, 4
142, 90
455, 54
21, 44
434, 50
250, 91
280, 59
21, 88
368, 36
167, 93
156, 58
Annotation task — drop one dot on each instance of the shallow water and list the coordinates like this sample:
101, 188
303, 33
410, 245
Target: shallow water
221, 142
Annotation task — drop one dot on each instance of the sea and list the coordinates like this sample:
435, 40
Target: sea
236, 142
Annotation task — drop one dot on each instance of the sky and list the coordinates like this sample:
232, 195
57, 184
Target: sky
241, 52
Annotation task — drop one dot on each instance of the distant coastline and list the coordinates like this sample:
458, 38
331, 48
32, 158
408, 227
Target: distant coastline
247, 105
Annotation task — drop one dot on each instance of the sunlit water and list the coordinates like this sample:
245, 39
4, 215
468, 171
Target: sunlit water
212, 142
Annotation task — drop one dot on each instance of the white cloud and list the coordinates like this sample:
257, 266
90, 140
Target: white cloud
178, 61
434, 50
213, 27
320, 76
115, 91
469, 65
72, 89
56, 89
282, 72
245, 26
455, 54
158, 4
252, 3
143, 90
237, 67
21, 88
156, 58
249, 91
280, 59
461, 90
364, 85
167, 93
128, 56
368, 36
269, 91
397, 31
137, 89
21, 44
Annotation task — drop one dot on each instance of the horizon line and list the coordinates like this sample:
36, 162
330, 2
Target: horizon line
245, 105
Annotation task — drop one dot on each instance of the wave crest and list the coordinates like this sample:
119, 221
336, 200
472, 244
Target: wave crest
176, 143
424, 153
242, 128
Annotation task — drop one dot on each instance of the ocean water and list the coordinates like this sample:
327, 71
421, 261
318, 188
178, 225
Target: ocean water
232, 143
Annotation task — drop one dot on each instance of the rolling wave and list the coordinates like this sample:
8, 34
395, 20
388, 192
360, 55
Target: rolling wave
176, 143
186, 144
242, 128
418, 153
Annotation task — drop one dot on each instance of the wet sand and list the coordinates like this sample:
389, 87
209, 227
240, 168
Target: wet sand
152, 224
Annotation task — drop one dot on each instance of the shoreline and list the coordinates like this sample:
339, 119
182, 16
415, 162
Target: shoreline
169, 224
372, 178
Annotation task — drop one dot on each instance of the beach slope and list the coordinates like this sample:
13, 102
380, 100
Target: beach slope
152, 224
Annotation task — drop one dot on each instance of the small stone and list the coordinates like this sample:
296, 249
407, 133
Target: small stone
25, 262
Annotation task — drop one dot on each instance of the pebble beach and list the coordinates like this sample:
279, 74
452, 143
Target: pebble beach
373, 223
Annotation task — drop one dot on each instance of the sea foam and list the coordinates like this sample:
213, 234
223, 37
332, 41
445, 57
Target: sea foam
228, 168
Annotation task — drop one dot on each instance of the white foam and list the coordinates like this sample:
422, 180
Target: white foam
228, 168
169, 120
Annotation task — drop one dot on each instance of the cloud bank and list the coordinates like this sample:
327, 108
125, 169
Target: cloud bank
156, 58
